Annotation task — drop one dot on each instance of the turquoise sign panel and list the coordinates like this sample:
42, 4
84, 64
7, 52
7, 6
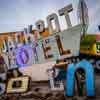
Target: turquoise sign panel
88, 68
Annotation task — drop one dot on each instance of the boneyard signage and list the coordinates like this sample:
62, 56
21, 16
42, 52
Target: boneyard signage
19, 83
52, 48
59, 44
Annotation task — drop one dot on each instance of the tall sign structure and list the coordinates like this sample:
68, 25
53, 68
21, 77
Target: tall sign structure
99, 27
83, 15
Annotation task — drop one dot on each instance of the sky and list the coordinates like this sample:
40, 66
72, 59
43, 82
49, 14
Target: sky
15, 15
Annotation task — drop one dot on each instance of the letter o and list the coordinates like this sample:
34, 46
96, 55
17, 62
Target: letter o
23, 56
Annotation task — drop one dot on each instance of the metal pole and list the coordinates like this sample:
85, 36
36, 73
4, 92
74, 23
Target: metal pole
83, 21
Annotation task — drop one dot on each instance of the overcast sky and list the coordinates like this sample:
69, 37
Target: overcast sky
17, 14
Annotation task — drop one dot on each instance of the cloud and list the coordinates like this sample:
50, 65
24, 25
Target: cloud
17, 14
94, 16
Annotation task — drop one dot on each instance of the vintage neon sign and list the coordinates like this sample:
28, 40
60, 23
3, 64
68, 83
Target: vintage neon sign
70, 77
15, 85
40, 25
53, 47
13, 81
24, 56
53, 17
53, 87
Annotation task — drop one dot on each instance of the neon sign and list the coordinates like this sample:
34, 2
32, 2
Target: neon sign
24, 56
70, 77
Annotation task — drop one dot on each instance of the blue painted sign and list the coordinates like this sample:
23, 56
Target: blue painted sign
72, 68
